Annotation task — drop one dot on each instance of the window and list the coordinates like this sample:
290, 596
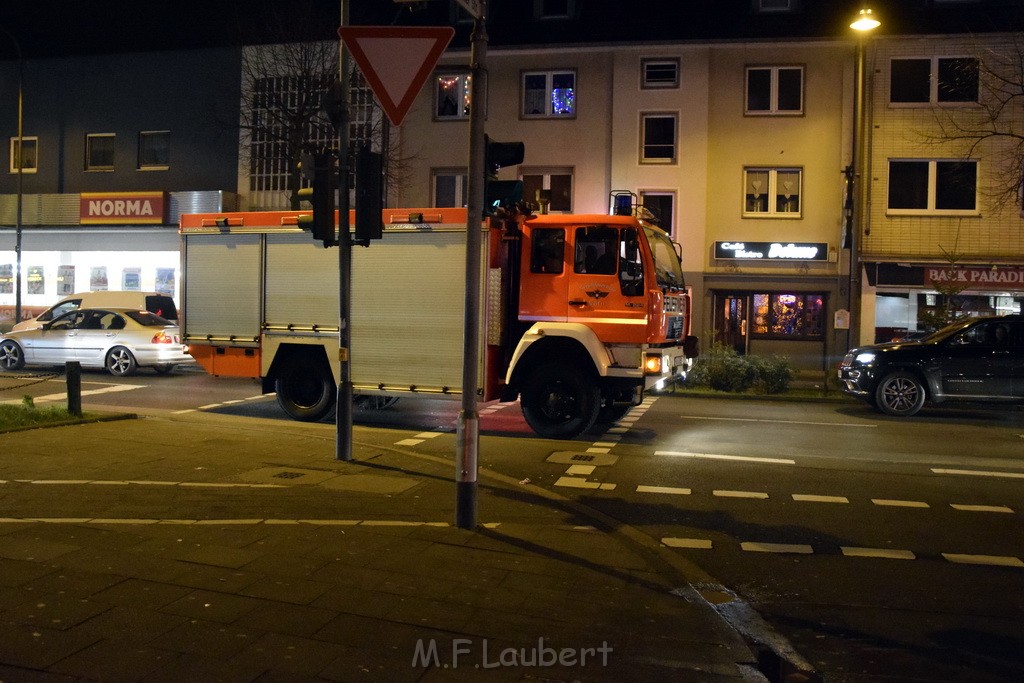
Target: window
553, 9
29, 152
661, 206
660, 73
555, 187
451, 96
154, 150
449, 188
658, 142
935, 80
547, 254
771, 6
772, 192
932, 186
787, 316
596, 248
550, 94
775, 90
99, 152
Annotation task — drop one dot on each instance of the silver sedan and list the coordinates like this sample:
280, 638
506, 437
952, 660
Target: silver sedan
118, 339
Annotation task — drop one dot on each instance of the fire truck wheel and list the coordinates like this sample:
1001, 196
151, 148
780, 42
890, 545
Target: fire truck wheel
559, 403
305, 390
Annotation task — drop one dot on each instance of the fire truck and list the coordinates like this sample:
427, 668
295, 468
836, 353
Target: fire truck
581, 313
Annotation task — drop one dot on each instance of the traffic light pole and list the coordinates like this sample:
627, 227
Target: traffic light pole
468, 437
343, 418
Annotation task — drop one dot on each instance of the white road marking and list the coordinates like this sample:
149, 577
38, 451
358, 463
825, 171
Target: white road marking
114, 388
797, 548
809, 498
737, 458
979, 473
692, 543
670, 490
740, 494
788, 422
577, 483
899, 503
981, 508
884, 553
584, 470
993, 560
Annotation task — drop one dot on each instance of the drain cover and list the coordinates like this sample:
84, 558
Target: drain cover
570, 457
289, 475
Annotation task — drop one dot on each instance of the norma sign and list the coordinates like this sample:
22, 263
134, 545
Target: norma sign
396, 61
122, 208
772, 251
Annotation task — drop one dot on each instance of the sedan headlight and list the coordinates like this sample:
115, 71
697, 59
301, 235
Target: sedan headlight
865, 357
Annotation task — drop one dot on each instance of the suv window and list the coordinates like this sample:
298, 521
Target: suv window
163, 306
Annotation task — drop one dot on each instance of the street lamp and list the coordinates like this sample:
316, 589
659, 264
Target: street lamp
21, 166
864, 22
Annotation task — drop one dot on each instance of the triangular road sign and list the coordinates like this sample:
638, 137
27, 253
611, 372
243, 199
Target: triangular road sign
396, 61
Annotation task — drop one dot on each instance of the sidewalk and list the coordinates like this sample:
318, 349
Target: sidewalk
219, 549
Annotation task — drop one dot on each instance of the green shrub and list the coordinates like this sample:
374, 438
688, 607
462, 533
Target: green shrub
722, 369
774, 373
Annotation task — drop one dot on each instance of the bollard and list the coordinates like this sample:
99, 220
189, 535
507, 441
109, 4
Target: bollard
74, 372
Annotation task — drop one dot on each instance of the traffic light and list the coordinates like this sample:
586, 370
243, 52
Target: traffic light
319, 169
498, 155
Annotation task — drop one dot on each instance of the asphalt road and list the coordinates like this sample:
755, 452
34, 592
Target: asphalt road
881, 548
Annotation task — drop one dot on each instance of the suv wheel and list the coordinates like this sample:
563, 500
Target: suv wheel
900, 394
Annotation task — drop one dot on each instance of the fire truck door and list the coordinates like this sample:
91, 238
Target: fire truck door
544, 276
606, 290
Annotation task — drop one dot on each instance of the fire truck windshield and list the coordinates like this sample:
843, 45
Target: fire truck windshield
668, 270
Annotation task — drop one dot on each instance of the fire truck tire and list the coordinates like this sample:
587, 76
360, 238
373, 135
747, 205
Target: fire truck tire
559, 403
305, 390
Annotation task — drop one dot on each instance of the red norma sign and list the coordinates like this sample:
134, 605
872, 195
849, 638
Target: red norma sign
396, 61
122, 208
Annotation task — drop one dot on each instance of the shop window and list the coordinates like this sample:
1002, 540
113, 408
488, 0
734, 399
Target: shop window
549, 94
154, 150
788, 316
99, 152
773, 6
554, 187
553, 9
775, 90
449, 188
935, 80
658, 142
29, 157
451, 96
920, 186
772, 192
660, 73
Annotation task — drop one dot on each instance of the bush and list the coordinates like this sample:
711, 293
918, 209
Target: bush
774, 373
722, 369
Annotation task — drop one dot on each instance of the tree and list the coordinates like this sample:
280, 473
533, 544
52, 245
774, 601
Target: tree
995, 130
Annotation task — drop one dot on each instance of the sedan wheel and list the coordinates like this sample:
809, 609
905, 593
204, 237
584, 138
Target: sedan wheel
11, 356
121, 362
900, 394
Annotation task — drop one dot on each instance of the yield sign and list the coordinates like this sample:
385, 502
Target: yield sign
396, 61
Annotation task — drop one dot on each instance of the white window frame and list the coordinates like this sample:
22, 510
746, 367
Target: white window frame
930, 209
772, 192
546, 174
461, 185
464, 82
548, 78
773, 96
26, 141
646, 84
933, 82
644, 116
89, 166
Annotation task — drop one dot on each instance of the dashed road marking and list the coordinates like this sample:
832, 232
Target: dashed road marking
992, 560
691, 543
981, 508
785, 548
736, 458
670, 490
809, 498
883, 553
978, 473
114, 388
214, 406
886, 502
790, 422
577, 483
229, 522
758, 495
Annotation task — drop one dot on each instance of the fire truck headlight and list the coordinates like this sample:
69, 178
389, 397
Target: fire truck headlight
654, 364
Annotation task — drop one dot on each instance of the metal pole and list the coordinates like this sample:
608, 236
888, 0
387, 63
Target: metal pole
853, 286
468, 438
343, 417
21, 167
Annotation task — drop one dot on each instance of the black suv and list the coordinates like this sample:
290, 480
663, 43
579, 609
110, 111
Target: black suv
975, 359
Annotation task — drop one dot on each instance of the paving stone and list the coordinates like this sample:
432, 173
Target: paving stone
210, 606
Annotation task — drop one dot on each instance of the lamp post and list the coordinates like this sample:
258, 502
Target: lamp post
21, 166
864, 22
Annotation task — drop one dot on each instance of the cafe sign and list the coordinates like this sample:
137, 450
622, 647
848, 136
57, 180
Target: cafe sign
122, 208
772, 251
